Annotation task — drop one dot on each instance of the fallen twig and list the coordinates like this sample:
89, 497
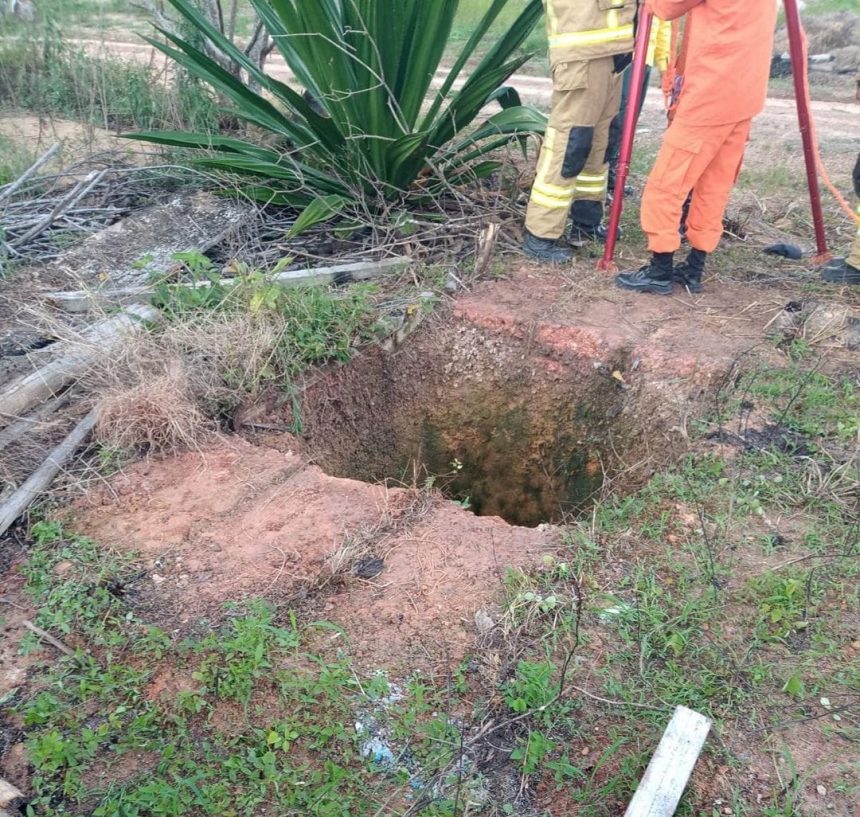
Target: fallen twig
42, 477
48, 638
9, 189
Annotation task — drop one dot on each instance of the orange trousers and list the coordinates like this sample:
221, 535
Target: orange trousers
705, 159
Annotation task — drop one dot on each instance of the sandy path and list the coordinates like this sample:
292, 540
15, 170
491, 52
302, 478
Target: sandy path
834, 120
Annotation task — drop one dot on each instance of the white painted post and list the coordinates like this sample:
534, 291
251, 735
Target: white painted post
666, 777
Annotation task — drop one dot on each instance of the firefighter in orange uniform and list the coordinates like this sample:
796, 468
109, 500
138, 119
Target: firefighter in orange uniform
725, 86
590, 43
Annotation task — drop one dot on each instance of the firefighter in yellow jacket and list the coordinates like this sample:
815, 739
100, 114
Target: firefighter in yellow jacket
590, 43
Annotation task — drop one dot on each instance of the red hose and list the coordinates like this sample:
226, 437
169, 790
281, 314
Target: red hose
801, 94
640, 52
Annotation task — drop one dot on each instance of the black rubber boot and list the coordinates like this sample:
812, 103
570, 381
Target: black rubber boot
839, 271
689, 272
655, 277
548, 250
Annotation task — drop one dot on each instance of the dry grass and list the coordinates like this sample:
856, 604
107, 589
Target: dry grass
155, 414
375, 540
160, 392
826, 32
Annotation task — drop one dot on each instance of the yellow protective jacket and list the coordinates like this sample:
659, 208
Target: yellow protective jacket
588, 29
660, 44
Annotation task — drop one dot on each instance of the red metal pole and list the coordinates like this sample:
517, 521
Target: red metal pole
801, 94
643, 34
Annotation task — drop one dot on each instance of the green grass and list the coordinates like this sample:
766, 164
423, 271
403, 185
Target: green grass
470, 14
313, 324
815, 7
699, 611
292, 746
14, 160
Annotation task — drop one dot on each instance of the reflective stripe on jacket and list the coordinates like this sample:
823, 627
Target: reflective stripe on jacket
588, 29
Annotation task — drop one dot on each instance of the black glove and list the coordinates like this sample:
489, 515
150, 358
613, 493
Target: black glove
785, 251
620, 62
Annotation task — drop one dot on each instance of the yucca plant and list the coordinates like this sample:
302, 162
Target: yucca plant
369, 129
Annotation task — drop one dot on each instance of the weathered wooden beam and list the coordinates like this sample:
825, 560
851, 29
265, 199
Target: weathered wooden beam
85, 300
27, 424
44, 475
666, 777
73, 360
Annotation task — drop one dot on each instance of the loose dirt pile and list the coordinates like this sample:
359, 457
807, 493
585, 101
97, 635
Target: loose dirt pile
235, 520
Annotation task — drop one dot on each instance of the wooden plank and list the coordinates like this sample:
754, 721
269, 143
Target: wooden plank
74, 359
85, 300
44, 475
666, 777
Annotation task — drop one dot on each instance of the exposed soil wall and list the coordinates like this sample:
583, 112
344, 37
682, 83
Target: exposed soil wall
483, 416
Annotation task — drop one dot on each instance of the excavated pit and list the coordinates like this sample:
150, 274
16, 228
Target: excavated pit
506, 431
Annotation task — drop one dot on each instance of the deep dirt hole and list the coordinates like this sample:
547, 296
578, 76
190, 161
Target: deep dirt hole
493, 424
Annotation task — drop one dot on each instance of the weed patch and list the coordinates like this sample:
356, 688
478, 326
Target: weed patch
220, 344
135, 695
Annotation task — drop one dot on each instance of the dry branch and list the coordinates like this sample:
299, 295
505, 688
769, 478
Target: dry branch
61, 203
486, 247
71, 198
9, 189
44, 475
100, 339
45, 636
84, 300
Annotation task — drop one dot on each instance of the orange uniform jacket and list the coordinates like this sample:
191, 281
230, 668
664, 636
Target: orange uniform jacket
725, 78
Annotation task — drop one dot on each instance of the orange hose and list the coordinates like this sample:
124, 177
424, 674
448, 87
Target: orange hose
819, 164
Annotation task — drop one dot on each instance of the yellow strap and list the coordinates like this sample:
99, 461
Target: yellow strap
585, 177
594, 37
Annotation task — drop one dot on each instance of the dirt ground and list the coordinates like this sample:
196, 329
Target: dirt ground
240, 518
236, 520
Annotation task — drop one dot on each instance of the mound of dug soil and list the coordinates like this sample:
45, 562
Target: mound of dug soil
402, 572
